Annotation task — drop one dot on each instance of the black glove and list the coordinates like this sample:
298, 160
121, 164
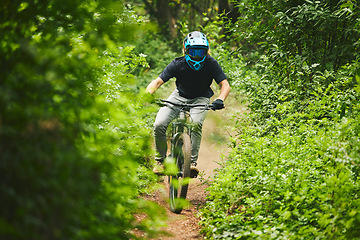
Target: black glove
218, 104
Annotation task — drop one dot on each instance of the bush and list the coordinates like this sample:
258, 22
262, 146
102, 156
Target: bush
73, 145
294, 169
299, 184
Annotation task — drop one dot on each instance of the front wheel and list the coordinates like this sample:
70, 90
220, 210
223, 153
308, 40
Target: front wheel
179, 183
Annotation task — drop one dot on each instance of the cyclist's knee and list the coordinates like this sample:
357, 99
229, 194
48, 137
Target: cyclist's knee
160, 126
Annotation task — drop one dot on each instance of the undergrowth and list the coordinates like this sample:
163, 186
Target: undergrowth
301, 184
293, 172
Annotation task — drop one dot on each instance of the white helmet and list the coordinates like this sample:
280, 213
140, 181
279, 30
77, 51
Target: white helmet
196, 48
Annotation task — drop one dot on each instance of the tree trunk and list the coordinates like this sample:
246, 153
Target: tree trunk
165, 18
229, 9
224, 6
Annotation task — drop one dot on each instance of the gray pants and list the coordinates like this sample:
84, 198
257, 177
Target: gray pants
167, 114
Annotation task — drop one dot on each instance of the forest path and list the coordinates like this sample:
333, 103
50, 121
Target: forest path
217, 128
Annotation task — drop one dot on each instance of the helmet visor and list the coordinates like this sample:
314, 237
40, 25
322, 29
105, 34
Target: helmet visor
197, 53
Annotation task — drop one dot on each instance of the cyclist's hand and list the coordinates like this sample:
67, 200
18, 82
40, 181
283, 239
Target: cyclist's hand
218, 104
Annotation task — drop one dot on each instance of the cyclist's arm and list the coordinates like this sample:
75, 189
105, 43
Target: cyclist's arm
224, 89
154, 85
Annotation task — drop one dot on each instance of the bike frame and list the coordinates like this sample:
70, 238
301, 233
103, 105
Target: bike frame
181, 125
181, 151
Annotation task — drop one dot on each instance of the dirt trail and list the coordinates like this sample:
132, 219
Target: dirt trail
216, 130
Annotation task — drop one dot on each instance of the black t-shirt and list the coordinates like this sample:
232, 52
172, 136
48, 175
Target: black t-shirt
191, 83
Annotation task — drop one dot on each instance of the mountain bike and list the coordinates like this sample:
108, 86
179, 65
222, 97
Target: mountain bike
180, 143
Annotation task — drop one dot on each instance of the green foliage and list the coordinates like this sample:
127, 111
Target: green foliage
320, 32
172, 17
309, 57
329, 95
299, 184
73, 143
294, 169
158, 52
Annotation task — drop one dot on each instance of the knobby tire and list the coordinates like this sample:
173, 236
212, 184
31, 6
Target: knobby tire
177, 194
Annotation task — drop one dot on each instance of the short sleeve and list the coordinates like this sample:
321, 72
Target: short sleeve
218, 73
168, 72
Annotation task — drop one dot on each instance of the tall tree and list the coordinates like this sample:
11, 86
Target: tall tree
228, 8
164, 14
170, 15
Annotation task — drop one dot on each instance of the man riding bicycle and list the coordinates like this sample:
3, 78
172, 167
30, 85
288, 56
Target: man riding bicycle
194, 74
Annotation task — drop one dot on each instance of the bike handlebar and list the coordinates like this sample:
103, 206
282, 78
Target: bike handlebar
185, 105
